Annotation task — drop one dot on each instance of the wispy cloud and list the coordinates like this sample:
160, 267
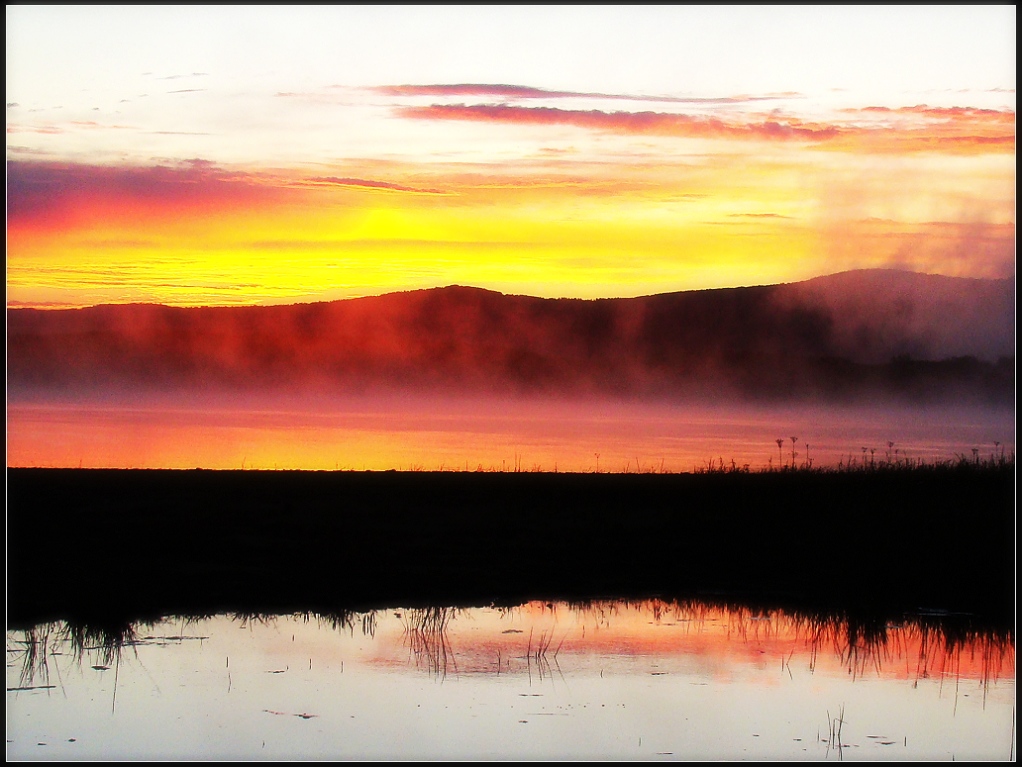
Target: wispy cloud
927, 128
70, 126
338, 245
528, 92
959, 114
641, 123
44, 129
178, 77
92, 124
931, 129
368, 184
11, 304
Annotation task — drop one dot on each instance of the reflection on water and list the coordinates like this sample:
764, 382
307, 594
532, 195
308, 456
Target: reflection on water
620, 680
508, 436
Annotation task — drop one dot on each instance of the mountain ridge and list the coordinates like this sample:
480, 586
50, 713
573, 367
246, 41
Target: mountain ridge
820, 279
851, 334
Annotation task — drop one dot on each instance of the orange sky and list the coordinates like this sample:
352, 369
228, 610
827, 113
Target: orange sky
180, 179
204, 235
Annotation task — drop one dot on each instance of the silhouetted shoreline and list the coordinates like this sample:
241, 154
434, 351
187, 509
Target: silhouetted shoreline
107, 546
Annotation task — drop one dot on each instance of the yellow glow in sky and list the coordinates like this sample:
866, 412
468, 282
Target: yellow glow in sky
320, 153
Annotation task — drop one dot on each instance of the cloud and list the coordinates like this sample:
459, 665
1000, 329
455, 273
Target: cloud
94, 124
369, 184
467, 89
925, 128
1005, 141
15, 149
51, 130
11, 304
528, 92
46, 189
638, 123
958, 114
340, 245
954, 130
55, 129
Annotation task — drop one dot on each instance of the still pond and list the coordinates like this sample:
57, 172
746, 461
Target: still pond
604, 680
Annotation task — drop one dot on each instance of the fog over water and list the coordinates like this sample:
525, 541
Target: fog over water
865, 365
857, 337
488, 433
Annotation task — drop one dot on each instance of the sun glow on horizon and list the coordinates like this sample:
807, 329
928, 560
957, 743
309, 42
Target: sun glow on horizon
165, 174
233, 157
185, 237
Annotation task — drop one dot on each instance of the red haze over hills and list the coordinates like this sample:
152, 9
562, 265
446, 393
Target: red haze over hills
845, 337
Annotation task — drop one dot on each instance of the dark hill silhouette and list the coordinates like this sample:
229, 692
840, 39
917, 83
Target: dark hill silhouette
846, 336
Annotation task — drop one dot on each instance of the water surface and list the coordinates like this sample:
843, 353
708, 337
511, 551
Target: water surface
410, 434
604, 680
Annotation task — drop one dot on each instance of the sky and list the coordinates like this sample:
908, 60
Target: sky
232, 155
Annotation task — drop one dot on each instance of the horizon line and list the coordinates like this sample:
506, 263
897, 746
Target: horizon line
51, 306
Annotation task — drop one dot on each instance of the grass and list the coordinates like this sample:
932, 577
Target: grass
836, 725
865, 535
891, 461
425, 631
871, 458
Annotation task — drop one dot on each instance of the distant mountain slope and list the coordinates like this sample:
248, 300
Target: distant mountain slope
877, 314
829, 337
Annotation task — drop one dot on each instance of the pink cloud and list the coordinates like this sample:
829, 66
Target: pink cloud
649, 123
955, 129
967, 114
527, 92
43, 189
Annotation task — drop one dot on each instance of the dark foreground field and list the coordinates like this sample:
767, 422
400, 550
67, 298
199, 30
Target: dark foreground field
112, 545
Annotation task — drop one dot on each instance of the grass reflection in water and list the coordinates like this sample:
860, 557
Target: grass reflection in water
923, 645
689, 677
